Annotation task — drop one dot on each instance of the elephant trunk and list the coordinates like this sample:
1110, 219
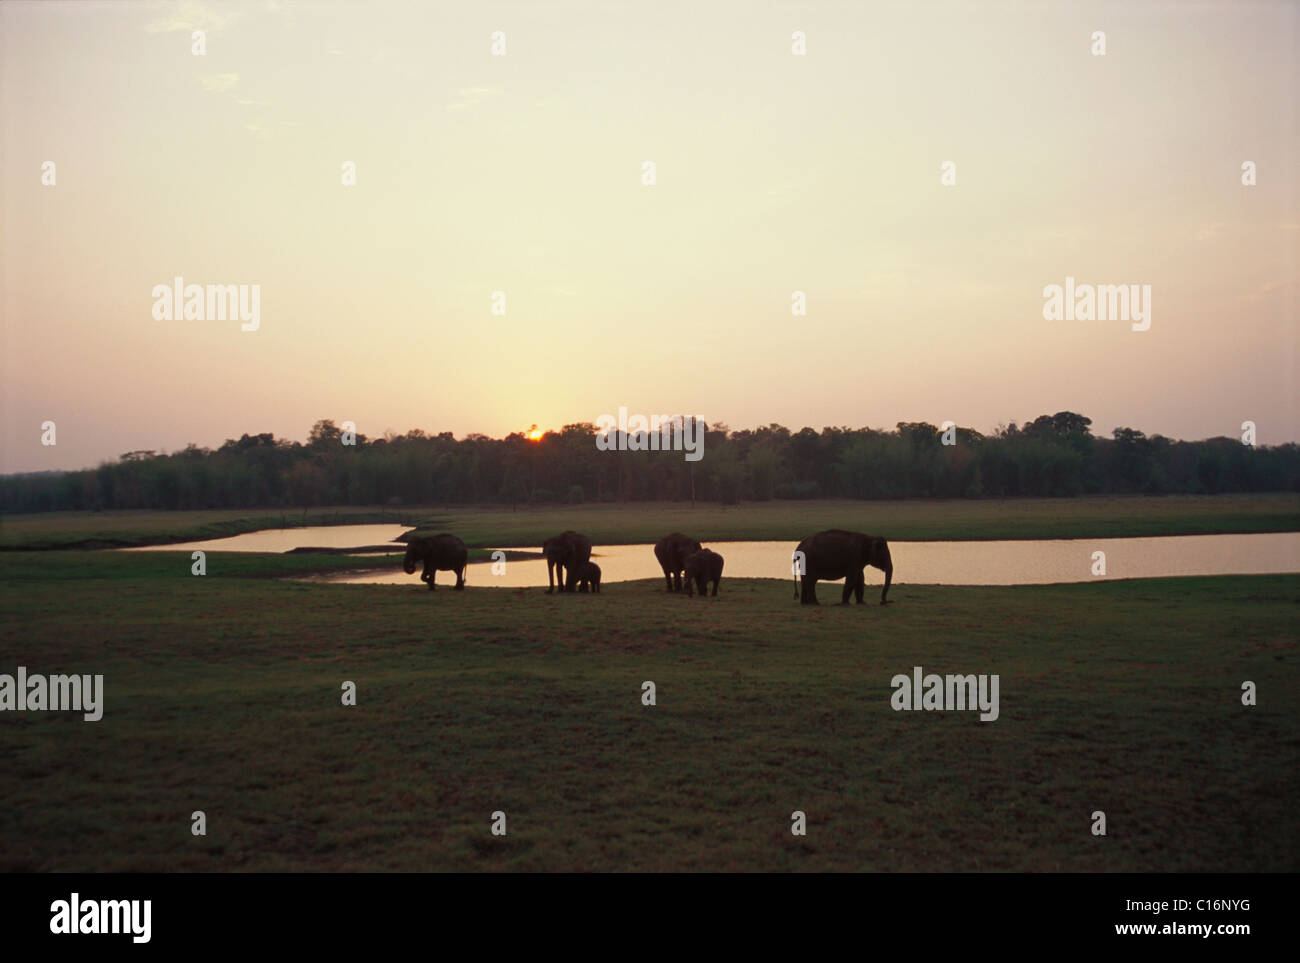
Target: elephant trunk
889, 577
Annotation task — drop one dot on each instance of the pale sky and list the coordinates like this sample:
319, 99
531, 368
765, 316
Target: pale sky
522, 173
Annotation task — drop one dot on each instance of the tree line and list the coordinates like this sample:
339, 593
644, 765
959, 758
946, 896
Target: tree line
1053, 455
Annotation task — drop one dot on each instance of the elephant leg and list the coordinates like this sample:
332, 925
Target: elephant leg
848, 590
668, 580
715, 587
677, 580
860, 587
809, 593
550, 576
460, 579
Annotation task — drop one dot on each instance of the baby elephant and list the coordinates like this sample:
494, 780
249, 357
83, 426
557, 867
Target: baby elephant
589, 574
703, 567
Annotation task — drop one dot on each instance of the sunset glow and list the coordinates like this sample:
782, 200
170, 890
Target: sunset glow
384, 179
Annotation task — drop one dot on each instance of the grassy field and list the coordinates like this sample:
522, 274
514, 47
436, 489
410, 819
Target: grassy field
124, 529
1100, 517
223, 696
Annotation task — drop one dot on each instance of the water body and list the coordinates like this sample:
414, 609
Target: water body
287, 539
933, 563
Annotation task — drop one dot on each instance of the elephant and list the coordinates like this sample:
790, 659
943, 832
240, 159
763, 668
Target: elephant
564, 554
671, 550
703, 567
589, 575
439, 553
837, 554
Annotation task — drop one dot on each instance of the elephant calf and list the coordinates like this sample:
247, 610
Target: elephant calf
836, 554
589, 575
439, 553
703, 567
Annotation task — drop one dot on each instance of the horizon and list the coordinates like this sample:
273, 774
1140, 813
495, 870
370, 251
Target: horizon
541, 434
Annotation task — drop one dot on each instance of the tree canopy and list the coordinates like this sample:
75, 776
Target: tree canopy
1050, 455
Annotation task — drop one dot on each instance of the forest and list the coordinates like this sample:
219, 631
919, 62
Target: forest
1052, 455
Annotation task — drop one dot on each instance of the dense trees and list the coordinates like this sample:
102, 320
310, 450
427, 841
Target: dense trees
1051, 455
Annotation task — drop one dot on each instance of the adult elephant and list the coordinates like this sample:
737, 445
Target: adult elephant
836, 554
564, 554
439, 553
703, 567
672, 551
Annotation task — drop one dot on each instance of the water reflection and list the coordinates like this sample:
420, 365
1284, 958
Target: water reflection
939, 563
287, 539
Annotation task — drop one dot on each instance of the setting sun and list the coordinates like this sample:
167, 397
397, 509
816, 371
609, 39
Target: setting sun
535, 433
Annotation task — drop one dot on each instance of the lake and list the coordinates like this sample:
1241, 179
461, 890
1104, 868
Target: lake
935, 563
287, 539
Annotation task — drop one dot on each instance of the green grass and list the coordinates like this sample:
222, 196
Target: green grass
126, 529
223, 695
161, 564
1099, 517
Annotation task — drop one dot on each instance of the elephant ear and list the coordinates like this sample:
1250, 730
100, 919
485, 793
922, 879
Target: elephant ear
866, 549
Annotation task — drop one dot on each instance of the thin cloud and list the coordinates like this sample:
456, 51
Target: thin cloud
468, 97
1262, 292
191, 15
219, 83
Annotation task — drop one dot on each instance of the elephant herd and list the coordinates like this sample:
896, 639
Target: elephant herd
826, 556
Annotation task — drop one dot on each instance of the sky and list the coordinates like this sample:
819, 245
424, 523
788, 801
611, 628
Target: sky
523, 173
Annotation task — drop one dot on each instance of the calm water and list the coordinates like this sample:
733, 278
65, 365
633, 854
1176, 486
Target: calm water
932, 563
287, 539
935, 563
